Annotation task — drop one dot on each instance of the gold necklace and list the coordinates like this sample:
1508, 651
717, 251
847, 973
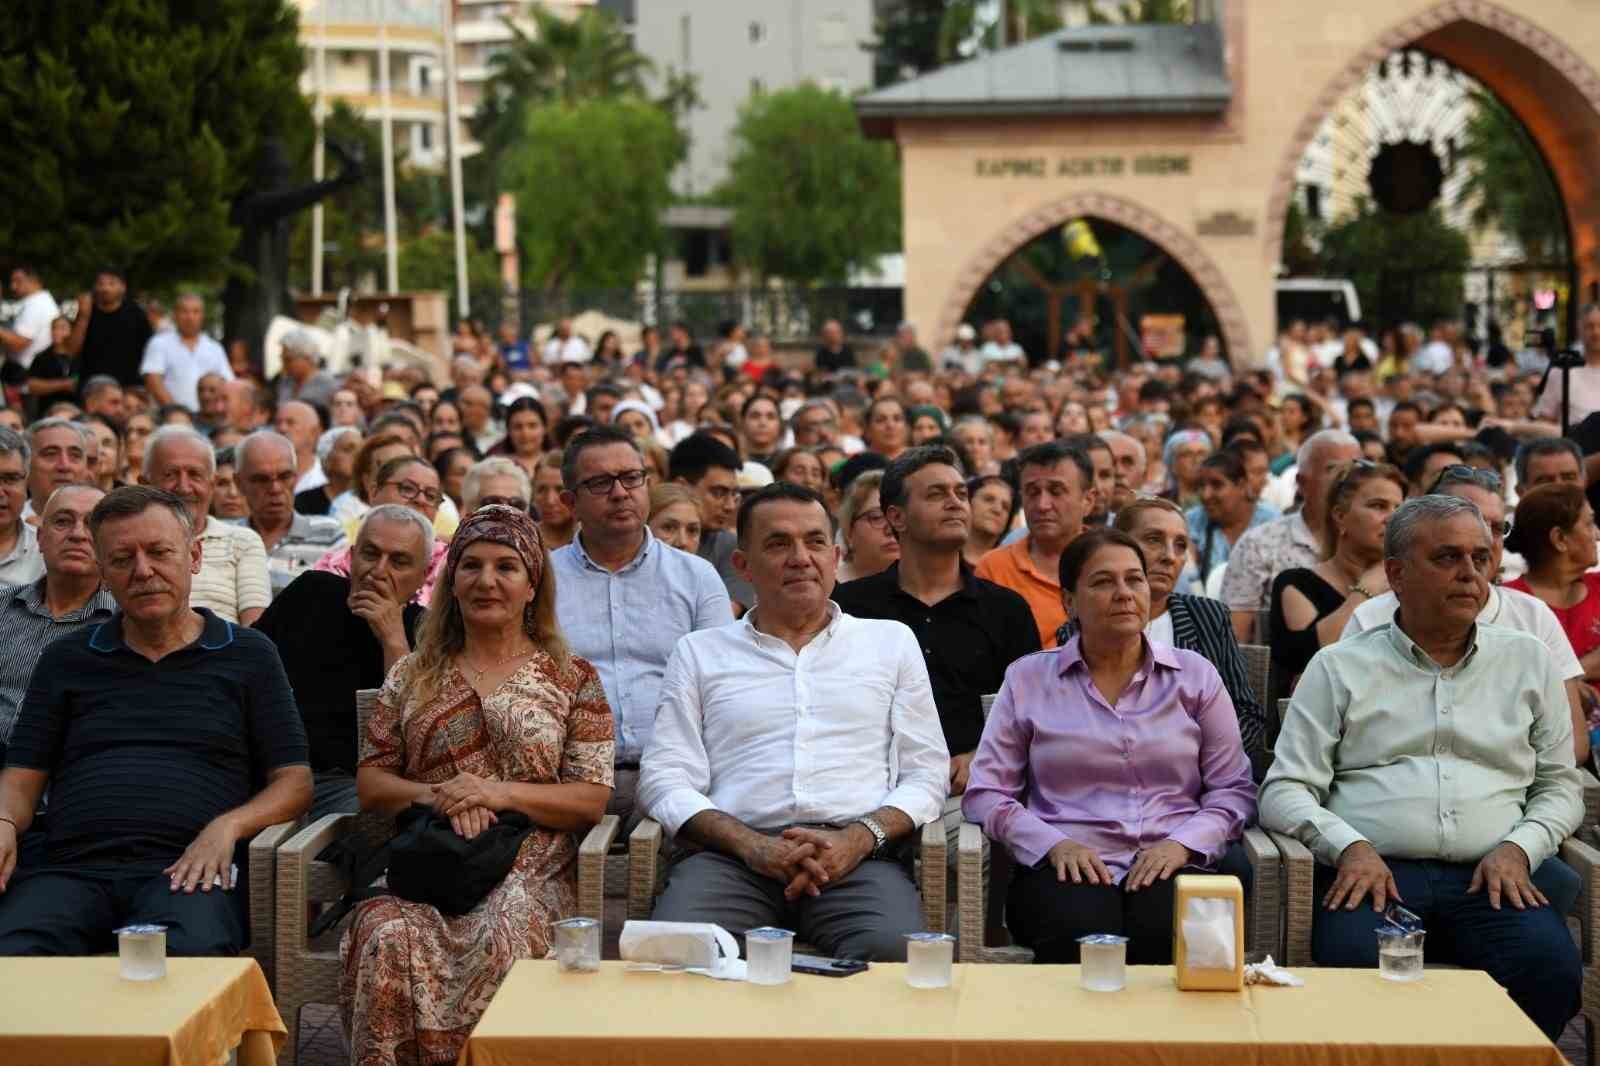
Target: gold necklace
477, 674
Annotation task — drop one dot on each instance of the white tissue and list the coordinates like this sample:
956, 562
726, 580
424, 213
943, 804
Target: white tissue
1208, 929
699, 947
1267, 972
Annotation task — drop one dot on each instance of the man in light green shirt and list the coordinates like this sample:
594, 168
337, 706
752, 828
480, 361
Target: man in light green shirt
1430, 760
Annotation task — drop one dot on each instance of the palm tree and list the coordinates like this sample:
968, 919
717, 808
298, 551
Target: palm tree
1509, 182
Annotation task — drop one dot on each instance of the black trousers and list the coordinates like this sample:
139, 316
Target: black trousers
1049, 916
58, 910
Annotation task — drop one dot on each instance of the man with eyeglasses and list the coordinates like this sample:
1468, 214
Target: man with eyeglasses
267, 474
413, 483
814, 425
20, 561
1505, 606
625, 597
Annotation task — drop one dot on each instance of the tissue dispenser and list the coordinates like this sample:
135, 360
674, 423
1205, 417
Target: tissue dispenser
1208, 932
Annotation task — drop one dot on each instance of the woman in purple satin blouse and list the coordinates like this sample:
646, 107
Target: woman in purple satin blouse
1108, 765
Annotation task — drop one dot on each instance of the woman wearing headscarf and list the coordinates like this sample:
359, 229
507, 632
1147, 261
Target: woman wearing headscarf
1182, 455
637, 420
490, 714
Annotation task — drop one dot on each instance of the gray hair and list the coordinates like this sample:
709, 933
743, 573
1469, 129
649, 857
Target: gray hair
973, 420
176, 433
1402, 530
814, 405
331, 437
14, 443
262, 436
85, 435
1327, 438
98, 384
130, 501
302, 341
394, 512
1538, 446
494, 466
1116, 434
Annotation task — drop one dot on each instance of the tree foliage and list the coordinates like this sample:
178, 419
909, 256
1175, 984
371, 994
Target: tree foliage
132, 124
1408, 266
1145, 11
428, 261
812, 198
1508, 182
592, 180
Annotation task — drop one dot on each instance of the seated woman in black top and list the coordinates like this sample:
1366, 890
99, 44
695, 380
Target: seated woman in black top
1310, 606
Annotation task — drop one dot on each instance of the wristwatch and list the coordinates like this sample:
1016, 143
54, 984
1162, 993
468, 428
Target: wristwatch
880, 838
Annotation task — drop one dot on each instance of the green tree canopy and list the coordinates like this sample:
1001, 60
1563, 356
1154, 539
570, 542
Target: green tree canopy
591, 181
812, 198
1402, 265
132, 126
1510, 184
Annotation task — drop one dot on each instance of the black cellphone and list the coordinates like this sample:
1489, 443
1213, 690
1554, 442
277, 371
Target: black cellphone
822, 966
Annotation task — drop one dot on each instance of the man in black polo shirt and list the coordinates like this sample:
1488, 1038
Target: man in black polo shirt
339, 634
833, 354
166, 736
110, 332
970, 630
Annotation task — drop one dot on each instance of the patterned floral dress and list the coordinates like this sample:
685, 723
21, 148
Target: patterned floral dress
415, 982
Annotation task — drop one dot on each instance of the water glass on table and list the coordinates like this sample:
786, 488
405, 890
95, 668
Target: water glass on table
769, 953
142, 952
929, 959
578, 945
1103, 962
1400, 944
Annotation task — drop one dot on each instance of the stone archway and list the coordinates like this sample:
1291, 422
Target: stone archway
1551, 88
1175, 242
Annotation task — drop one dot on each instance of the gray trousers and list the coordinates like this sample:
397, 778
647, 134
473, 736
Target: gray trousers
866, 915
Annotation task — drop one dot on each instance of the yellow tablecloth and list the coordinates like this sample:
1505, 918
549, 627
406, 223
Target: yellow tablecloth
62, 1012
999, 1016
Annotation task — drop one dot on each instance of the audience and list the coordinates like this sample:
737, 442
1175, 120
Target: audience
59, 452
801, 804
1429, 760
294, 542
405, 481
336, 452
490, 715
626, 598
154, 731
1109, 715
21, 562
675, 517
711, 468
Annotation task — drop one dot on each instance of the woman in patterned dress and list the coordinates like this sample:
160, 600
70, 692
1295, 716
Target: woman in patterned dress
490, 713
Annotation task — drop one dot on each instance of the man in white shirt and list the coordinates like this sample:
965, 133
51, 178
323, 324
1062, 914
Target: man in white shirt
300, 422
564, 347
176, 360
29, 333
1438, 355
20, 559
1000, 347
1505, 607
799, 749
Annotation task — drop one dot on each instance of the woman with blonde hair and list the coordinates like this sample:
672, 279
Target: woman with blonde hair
675, 516
491, 714
869, 544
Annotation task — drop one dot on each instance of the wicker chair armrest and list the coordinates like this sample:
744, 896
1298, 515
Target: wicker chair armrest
1582, 854
592, 867
933, 874
1264, 913
263, 889
972, 883
295, 858
1299, 899
644, 863
1591, 797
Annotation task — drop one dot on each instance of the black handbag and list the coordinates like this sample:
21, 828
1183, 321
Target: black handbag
429, 862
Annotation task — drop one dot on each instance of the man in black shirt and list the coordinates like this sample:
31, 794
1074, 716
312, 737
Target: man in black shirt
970, 630
682, 351
167, 737
339, 634
834, 354
110, 332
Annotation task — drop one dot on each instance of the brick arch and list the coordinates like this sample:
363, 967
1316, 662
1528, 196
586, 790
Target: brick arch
1439, 28
1177, 243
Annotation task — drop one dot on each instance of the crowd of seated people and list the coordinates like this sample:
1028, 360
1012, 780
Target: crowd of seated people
764, 608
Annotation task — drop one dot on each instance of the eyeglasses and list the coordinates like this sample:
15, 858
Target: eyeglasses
516, 503
1462, 474
873, 518
601, 485
410, 490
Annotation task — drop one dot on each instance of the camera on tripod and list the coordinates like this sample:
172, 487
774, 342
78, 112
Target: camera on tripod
1544, 340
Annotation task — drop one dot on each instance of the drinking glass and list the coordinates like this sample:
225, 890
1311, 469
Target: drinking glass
1400, 953
578, 945
929, 958
142, 952
1103, 962
768, 954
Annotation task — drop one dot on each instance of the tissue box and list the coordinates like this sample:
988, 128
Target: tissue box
1208, 932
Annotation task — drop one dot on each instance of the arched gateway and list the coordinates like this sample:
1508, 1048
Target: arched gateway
1192, 136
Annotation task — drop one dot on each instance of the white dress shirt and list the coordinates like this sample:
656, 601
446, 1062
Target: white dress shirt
181, 367
776, 738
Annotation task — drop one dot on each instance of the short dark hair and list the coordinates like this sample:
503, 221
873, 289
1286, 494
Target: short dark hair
1052, 452
605, 388
1083, 547
697, 453
598, 437
1406, 405
1240, 426
1361, 401
1545, 446
1086, 442
1228, 462
892, 493
1246, 445
130, 501
1417, 459
115, 271
778, 490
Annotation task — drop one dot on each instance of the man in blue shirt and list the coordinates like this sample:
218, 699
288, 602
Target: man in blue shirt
167, 737
624, 597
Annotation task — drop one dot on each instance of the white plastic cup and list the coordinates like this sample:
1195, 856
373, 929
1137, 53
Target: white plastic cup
929, 959
1400, 953
769, 953
1103, 962
578, 945
142, 952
